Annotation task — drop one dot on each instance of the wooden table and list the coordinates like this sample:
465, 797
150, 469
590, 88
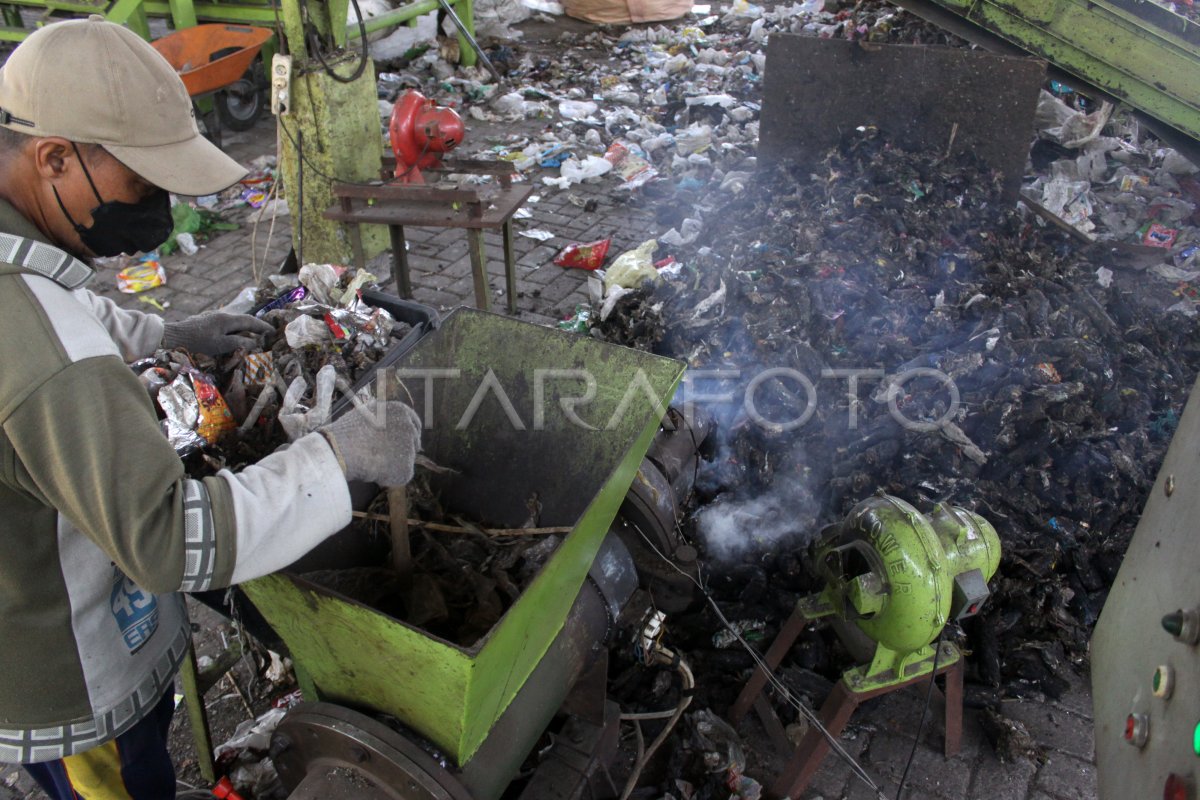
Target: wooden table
399, 205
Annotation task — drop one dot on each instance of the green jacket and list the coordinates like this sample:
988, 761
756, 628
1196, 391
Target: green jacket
99, 527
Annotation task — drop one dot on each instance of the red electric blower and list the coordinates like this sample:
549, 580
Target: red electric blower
421, 133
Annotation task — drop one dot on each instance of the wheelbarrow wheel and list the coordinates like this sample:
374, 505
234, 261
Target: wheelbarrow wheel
240, 105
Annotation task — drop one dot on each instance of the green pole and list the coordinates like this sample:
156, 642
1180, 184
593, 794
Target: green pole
331, 133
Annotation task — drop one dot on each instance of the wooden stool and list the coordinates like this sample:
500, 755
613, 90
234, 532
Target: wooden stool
398, 205
836, 711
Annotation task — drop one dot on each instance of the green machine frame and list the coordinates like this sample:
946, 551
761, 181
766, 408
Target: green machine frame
186, 13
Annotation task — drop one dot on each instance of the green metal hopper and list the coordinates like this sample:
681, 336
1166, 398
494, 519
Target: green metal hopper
484, 422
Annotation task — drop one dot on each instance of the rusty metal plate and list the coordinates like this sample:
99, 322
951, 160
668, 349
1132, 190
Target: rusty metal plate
816, 90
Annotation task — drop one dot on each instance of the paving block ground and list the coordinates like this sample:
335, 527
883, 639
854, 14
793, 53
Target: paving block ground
882, 733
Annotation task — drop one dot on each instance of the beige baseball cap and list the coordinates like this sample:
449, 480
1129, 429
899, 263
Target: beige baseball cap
90, 80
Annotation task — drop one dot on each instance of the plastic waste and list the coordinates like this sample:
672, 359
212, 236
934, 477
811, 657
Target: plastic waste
722, 100
691, 229
577, 109
305, 330
253, 734
242, 304
588, 256
320, 279
633, 267
630, 164
1176, 164
579, 322
1069, 200
693, 139
735, 182
145, 274
1187, 256
575, 171
510, 105
1158, 235
187, 244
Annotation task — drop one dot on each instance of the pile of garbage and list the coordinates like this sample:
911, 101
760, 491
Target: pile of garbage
1101, 174
1069, 382
677, 105
465, 577
231, 411
999, 366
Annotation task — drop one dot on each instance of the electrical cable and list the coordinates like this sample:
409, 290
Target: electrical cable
314, 46
689, 683
778, 684
937, 654
298, 234
313, 167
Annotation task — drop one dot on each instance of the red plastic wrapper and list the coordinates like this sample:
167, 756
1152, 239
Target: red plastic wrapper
584, 256
336, 328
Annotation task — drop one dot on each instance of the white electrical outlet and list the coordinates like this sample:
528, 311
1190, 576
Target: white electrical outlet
281, 84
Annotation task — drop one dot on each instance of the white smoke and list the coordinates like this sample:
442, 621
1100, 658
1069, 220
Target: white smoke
783, 515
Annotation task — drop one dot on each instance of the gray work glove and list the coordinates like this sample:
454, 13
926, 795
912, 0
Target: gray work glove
376, 442
216, 333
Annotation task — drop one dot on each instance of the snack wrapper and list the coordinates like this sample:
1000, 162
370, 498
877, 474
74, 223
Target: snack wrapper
282, 301
141, 276
629, 163
215, 418
259, 367
588, 256
196, 413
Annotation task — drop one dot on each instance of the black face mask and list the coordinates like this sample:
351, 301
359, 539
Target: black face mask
123, 227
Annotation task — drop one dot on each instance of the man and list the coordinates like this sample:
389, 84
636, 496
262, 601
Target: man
99, 528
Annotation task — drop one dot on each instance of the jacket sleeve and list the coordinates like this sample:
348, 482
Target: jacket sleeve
137, 335
89, 445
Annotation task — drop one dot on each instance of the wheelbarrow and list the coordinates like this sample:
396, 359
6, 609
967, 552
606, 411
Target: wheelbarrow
215, 61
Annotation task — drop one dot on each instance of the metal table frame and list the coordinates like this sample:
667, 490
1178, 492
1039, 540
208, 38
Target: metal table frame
399, 205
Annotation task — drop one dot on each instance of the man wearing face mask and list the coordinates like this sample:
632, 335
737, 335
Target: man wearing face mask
99, 527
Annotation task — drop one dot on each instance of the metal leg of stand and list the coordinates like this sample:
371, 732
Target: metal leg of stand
400, 275
483, 299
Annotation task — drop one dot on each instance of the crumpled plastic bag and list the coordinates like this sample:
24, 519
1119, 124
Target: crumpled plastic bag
693, 139
633, 267
691, 230
577, 109
574, 171
510, 105
1063, 124
320, 280
1175, 163
305, 330
253, 734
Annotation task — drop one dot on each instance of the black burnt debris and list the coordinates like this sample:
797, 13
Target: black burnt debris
1068, 390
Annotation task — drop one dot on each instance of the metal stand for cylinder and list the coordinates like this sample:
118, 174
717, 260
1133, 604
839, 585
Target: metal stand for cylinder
398, 206
837, 709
